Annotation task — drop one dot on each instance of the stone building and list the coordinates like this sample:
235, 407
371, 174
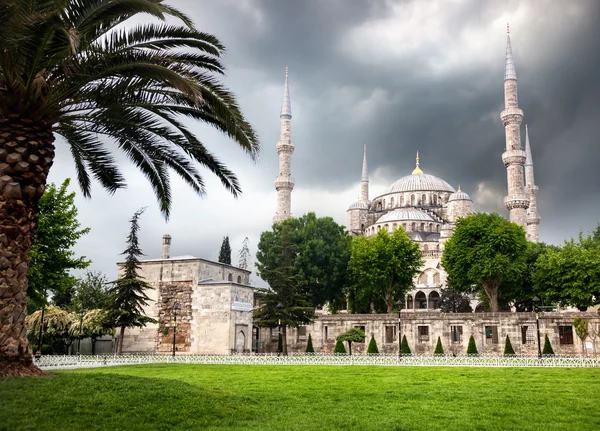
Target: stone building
214, 303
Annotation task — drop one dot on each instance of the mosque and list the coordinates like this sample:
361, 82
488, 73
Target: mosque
425, 206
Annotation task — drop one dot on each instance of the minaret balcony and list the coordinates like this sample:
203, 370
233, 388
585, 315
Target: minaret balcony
511, 116
518, 200
514, 157
285, 147
284, 184
533, 219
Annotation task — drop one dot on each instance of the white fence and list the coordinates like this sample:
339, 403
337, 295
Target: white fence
88, 361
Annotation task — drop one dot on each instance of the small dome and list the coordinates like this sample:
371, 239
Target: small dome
402, 214
359, 205
459, 195
421, 182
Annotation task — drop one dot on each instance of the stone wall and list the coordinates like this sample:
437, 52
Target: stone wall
384, 327
170, 294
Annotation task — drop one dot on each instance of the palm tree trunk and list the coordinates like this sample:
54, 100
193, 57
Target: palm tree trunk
26, 154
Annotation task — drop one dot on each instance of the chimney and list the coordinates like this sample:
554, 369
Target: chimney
166, 244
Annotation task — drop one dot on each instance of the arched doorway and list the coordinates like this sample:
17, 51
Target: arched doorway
420, 301
434, 300
240, 340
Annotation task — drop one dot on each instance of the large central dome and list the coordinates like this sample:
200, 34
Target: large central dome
421, 182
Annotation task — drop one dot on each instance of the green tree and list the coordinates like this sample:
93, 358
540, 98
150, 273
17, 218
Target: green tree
582, 329
54, 322
95, 324
404, 348
322, 250
91, 291
472, 347
127, 296
244, 255
547, 350
485, 252
284, 303
372, 349
225, 252
103, 74
309, 345
570, 275
453, 301
352, 335
508, 348
382, 268
339, 347
52, 256
439, 350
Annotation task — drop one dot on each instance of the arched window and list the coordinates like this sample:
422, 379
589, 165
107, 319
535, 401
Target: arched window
434, 199
384, 204
401, 200
394, 226
412, 200
430, 227
421, 301
392, 202
386, 227
437, 228
422, 227
409, 302
436, 277
423, 199
239, 279
230, 277
425, 248
422, 278
362, 226
404, 226
434, 300
413, 226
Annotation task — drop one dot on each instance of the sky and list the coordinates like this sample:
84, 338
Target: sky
398, 76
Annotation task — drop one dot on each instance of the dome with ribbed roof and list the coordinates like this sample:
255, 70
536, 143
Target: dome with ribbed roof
403, 214
459, 195
421, 182
359, 205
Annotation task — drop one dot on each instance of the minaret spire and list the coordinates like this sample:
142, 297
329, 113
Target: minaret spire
364, 179
533, 219
284, 184
517, 200
417, 170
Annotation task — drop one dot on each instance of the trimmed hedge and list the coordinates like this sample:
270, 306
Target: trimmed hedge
404, 346
339, 347
548, 350
309, 346
508, 348
439, 350
372, 349
472, 347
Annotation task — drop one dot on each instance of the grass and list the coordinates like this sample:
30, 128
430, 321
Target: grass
237, 397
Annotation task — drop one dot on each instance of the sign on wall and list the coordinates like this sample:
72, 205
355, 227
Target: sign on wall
241, 306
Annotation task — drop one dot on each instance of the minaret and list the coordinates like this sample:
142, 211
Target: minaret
533, 219
364, 179
284, 184
517, 201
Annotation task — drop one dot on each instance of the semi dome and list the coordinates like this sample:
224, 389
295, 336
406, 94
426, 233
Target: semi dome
459, 195
359, 205
403, 214
421, 182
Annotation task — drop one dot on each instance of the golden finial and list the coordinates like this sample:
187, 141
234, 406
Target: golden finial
459, 190
507, 28
286, 71
417, 170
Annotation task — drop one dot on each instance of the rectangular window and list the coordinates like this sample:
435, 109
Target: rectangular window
391, 333
456, 332
491, 335
362, 328
325, 331
423, 334
274, 334
301, 332
528, 335
565, 334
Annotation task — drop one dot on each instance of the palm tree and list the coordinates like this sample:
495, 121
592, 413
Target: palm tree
71, 68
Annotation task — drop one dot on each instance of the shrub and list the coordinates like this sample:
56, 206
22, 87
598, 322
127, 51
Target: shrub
280, 344
372, 349
508, 348
547, 347
404, 347
439, 350
339, 347
309, 346
472, 347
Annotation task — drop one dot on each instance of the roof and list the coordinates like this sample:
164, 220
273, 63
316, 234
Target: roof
188, 258
359, 205
286, 106
421, 182
402, 214
459, 196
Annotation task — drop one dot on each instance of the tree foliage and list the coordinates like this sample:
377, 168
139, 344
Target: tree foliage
372, 349
472, 347
570, 274
127, 296
548, 350
453, 301
382, 269
582, 329
320, 256
244, 255
439, 350
339, 347
352, 335
404, 347
309, 345
225, 252
91, 291
52, 256
485, 252
508, 348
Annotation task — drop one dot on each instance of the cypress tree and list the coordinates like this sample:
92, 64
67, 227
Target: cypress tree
372, 349
279, 344
508, 348
309, 346
404, 347
472, 347
547, 347
439, 350
225, 252
339, 347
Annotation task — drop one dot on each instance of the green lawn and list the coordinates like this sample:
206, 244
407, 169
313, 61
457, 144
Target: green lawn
237, 397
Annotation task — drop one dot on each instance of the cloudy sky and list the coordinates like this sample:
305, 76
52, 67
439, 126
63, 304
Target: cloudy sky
399, 76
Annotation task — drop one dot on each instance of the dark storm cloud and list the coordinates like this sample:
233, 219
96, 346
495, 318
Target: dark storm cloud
400, 76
